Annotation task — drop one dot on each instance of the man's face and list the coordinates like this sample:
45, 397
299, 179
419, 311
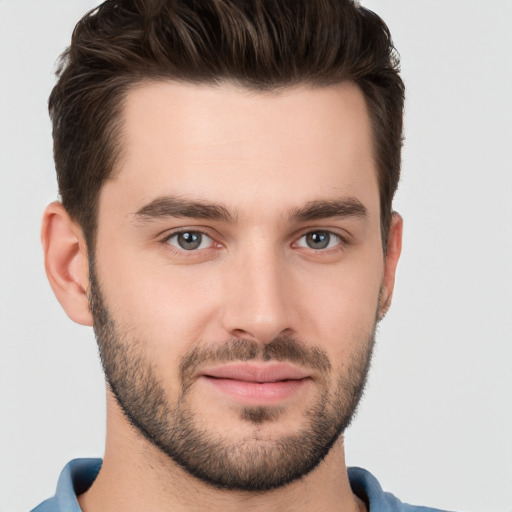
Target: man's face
237, 275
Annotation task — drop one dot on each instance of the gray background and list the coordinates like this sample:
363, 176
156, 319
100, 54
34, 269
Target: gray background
436, 424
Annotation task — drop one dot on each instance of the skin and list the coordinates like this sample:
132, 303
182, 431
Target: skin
262, 157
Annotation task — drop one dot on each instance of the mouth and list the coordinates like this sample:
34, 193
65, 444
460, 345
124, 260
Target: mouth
256, 383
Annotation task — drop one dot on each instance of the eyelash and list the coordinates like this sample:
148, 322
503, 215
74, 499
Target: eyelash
341, 244
339, 241
185, 252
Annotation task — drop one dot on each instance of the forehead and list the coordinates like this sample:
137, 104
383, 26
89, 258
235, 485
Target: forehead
236, 146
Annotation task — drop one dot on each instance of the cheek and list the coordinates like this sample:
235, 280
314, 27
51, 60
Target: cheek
162, 305
171, 307
343, 307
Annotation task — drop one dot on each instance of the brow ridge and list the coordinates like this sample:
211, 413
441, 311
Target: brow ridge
324, 209
179, 207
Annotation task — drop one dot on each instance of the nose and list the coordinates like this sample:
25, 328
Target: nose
258, 297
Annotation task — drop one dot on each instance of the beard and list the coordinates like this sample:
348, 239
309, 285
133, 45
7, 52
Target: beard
219, 458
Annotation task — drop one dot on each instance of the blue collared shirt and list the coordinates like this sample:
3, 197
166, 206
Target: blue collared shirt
79, 474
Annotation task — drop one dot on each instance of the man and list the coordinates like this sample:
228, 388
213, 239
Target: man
227, 171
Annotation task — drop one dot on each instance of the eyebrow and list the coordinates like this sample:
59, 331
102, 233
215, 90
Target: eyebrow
173, 206
325, 209
178, 207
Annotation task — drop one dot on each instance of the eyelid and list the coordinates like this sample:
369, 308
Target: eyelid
195, 229
333, 237
343, 239
204, 240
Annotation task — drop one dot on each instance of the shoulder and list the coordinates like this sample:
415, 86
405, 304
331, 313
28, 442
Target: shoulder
76, 477
366, 487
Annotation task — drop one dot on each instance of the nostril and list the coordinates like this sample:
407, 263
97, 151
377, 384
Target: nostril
240, 333
261, 334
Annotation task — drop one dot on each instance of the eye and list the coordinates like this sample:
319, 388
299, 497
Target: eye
319, 240
190, 240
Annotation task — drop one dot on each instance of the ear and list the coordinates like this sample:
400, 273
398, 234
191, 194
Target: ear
394, 248
65, 260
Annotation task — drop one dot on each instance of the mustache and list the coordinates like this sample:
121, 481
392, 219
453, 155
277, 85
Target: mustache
282, 349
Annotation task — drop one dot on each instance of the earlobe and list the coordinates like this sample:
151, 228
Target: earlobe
394, 248
65, 258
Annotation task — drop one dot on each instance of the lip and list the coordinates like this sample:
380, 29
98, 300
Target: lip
256, 372
256, 383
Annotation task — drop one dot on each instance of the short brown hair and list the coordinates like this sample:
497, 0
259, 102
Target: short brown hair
259, 44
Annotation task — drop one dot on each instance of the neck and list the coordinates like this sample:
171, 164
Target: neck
137, 476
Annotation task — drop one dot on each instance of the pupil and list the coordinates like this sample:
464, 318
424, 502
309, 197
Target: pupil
318, 240
189, 240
